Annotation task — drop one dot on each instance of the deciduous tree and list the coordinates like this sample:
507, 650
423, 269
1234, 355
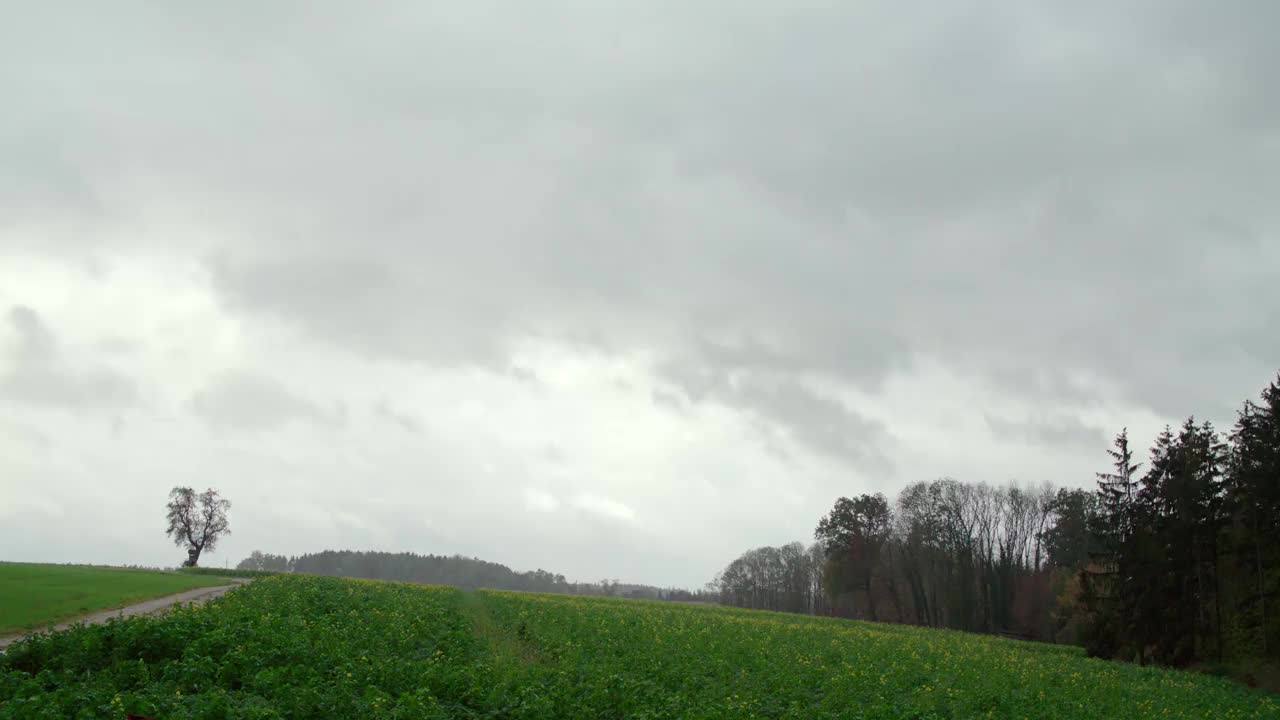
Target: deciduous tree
197, 521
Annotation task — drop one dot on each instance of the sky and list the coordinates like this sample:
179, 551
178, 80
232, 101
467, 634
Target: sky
611, 289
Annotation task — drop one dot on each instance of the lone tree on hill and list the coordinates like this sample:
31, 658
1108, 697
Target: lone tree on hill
197, 521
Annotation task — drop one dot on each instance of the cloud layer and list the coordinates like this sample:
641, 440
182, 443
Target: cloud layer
361, 268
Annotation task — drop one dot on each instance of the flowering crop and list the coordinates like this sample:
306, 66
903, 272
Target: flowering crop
620, 658
283, 647
313, 647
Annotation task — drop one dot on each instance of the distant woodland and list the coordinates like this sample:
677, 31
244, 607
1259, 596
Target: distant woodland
456, 570
1172, 560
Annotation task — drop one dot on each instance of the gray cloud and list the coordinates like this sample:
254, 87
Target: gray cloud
42, 375
553, 454
818, 421
1055, 431
245, 400
1066, 208
523, 374
668, 400
356, 302
383, 410
824, 423
838, 223
26, 435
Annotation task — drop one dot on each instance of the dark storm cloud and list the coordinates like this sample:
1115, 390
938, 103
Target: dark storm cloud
42, 374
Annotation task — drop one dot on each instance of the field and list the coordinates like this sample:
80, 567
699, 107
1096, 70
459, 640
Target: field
38, 595
311, 647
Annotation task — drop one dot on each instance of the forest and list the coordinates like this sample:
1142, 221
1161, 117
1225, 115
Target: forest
1173, 560
456, 570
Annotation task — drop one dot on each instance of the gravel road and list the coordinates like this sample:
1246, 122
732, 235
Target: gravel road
146, 607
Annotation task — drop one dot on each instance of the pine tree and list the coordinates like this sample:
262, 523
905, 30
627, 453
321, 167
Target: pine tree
1102, 580
1146, 557
1116, 490
1254, 504
1174, 561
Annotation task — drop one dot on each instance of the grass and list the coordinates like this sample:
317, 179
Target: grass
1255, 672
34, 596
309, 646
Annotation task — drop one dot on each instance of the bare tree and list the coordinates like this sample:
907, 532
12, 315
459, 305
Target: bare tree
197, 521
786, 578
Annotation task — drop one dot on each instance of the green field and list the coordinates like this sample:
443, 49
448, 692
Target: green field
313, 647
34, 595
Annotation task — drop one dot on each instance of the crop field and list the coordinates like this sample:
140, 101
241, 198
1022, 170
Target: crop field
34, 595
318, 647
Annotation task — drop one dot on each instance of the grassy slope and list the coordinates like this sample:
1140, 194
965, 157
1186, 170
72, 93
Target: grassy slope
34, 595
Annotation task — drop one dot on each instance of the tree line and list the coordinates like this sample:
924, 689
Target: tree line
1185, 561
456, 570
1175, 562
945, 554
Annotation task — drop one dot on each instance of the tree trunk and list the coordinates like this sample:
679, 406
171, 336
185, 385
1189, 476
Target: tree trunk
893, 596
871, 598
193, 557
1262, 586
1201, 610
1217, 600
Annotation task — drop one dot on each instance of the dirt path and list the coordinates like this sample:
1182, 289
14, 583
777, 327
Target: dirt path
146, 607
510, 651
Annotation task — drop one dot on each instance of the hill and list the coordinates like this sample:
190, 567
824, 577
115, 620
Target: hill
308, 646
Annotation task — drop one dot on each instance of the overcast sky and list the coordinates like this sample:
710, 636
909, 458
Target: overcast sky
611, 289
